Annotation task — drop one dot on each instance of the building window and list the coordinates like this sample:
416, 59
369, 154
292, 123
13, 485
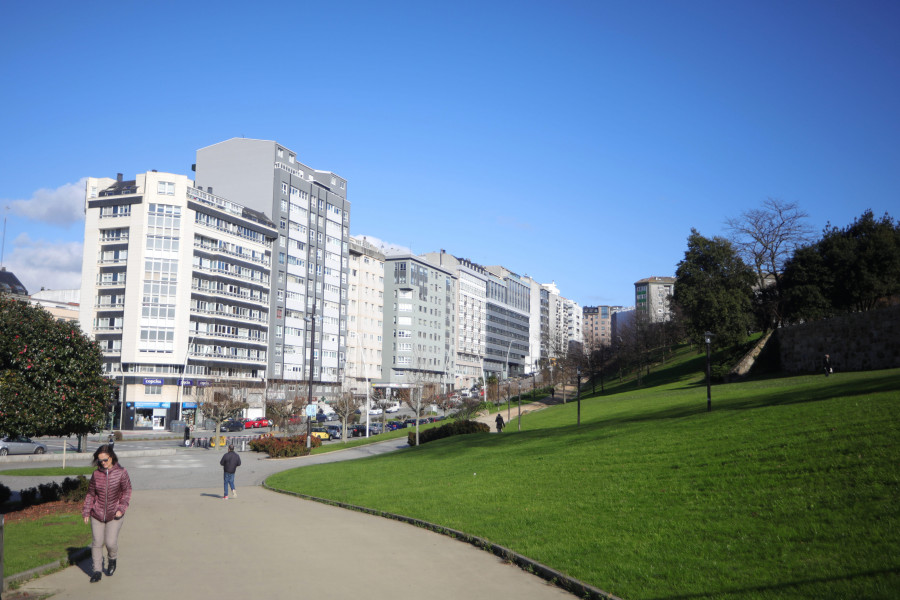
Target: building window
165, 188
152, 390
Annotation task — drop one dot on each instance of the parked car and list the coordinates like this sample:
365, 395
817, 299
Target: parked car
265, 422
19, 444
358, 430
393, 408
374, 428
231, 425
334, 431
395, 425
321, 433
375, 411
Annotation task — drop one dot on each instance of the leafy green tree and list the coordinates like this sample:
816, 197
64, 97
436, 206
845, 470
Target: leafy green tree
849, 269
714, 288
51, 380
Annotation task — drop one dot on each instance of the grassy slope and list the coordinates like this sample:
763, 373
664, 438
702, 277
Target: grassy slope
788, 488
31, 544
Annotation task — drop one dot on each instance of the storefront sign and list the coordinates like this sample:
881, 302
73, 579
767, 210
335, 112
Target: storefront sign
151, 405
185, 382
189, 405
152, 381
202, 384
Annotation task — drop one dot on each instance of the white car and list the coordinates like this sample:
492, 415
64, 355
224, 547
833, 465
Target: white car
375, 411
19, 444
394, 408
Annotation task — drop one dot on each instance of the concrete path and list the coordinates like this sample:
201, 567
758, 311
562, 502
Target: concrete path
188, 542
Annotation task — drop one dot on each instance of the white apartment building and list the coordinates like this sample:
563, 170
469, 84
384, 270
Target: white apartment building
365, 315
175, 289
565, 323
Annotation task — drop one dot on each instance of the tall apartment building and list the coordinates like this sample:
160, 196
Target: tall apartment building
597, 325
471, 315
176, 290
310, 273
651, 297
508, 315
419, 324
365, 318
565, 323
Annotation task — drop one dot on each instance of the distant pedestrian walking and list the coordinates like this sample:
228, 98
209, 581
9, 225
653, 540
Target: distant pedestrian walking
500, 423
230, 462
108, 496
827, 365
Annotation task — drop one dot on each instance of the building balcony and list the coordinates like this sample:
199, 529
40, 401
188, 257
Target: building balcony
219, 250
242, 295
230, 336
231, 274
107, 328
117, 283
229, 315
113, 239
221, 356
119, 306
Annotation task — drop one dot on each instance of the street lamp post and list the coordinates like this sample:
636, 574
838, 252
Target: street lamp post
309, 398
708, 336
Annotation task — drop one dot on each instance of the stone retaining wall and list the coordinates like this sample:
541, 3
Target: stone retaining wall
856, 342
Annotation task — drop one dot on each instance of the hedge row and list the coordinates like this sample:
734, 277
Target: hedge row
452, 428
73, 489
284, 447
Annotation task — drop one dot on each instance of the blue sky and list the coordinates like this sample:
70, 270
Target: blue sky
576, 142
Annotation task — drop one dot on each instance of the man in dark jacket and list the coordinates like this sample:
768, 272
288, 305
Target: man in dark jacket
230, 462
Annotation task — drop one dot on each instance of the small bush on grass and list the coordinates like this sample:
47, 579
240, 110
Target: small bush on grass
284, 447
454, 428
74, 489
49, 492
5, 494
28, 496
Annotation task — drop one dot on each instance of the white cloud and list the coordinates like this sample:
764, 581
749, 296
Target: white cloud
40, 264
62, 206
384, 247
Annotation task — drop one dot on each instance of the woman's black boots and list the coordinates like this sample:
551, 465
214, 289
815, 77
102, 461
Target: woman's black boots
111, 567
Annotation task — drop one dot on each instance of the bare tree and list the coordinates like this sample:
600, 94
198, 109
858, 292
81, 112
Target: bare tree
225, 403
346, 406
766, 238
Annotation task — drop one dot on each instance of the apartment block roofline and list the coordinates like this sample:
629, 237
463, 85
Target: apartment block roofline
655, 279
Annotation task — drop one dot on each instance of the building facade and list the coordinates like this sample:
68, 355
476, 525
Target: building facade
652, 296
507, 350
597, 325
471, 315
419, 325
311, 261
176, 291
365, 318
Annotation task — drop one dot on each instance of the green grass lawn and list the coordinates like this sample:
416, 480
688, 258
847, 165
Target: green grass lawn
788, 489
49, 471
31, 544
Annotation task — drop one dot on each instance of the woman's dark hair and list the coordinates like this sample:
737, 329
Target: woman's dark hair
105, 449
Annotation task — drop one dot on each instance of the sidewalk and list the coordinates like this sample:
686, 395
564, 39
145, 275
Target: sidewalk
190, 543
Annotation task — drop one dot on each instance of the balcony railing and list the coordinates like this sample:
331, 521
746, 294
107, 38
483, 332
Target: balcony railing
243, 296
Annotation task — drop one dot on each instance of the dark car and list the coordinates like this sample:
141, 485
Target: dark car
395, 425
231, 425
358, 430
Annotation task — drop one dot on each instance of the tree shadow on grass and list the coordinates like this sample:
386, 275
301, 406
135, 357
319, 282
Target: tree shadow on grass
776, 587
603, 428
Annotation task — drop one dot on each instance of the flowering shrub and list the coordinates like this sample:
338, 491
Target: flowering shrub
283, 447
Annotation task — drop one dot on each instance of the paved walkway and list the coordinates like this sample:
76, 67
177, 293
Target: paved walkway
188, 543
